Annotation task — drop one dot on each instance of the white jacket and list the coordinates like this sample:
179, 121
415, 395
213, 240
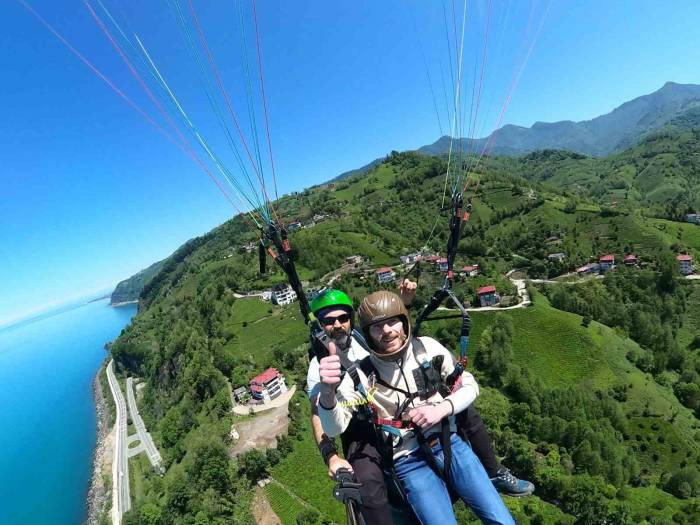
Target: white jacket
398, 373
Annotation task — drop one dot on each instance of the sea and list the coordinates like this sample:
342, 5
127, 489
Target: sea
48, 424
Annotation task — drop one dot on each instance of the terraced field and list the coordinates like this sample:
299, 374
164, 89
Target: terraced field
284, 504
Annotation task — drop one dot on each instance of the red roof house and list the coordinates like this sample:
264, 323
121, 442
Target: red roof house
630, 259
683, 257
607, 258
262, 379
486, 290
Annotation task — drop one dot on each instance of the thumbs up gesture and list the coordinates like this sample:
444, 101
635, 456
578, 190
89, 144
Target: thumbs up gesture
330, 373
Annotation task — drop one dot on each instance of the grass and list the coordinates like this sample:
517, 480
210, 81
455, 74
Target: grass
284, 504
258, 332
657, 506
139, 469
683, 233
691, 325
551, 343
314, 486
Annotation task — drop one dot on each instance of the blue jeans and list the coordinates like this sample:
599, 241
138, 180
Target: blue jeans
428, 495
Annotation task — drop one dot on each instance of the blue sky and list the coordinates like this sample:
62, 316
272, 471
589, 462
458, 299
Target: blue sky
91, 193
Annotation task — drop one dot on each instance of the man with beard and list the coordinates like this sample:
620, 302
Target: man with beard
335, 313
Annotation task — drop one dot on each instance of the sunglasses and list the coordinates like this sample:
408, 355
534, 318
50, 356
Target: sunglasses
342, 319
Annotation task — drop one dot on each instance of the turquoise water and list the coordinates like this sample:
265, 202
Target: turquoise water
48, 429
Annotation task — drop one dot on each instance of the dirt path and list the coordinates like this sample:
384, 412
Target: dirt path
262, 511
261, 431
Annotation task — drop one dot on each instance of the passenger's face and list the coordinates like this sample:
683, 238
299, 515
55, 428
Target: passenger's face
336, 322
388, 335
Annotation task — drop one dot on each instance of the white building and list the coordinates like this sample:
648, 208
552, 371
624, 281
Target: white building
410, 258
251, 246
268, 385
386, 275
559, 256
282, 294
470, 271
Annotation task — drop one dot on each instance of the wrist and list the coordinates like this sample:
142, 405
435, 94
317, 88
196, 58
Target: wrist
328, 449
448, 407
327, 399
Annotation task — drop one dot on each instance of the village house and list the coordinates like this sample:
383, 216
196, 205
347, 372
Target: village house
432, 259
410, 258
267, 386
607, 262
470, 271
320, 217
294, 226
693, 217
588, 269
283, 294
251, 246
354, 260
442, 264
488, 296
559, 256
630, 260
385, 275
553, 240
685, 263
240, 394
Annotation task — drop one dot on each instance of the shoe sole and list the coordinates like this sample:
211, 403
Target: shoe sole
519, 494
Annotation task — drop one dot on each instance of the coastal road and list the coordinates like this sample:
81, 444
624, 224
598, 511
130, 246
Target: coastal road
121, 497
145, 438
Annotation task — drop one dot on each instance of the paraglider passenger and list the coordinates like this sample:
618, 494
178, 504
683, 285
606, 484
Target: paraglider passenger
414, 414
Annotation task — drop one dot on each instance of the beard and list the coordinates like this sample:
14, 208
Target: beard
342, 340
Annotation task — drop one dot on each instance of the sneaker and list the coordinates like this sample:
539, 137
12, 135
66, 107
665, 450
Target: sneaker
508, 484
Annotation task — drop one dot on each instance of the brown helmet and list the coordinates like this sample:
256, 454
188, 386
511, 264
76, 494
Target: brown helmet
377, 307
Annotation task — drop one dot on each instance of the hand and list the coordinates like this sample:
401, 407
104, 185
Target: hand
329, 370
426, 416
335, 463
407, 290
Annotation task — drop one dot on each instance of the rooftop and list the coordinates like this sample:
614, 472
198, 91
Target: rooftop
267, 376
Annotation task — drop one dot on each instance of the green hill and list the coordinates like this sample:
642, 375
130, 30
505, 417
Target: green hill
129, 289
605, 441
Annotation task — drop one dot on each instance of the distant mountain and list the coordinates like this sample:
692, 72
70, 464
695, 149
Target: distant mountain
615, 131
673, 104
129, 289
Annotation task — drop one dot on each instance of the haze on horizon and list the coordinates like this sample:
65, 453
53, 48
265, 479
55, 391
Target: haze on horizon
93, 194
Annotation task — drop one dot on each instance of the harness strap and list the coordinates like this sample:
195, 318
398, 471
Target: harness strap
395, 423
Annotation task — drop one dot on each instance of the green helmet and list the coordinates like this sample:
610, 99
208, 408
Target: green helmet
330, 297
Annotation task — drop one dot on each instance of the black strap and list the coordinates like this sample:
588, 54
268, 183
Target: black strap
327, 448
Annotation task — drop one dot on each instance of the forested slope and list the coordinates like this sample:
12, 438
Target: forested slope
590, 415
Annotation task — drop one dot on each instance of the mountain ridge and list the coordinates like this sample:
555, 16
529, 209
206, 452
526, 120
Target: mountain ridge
600, 136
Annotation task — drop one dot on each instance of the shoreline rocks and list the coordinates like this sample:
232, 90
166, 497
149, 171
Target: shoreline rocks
97, 494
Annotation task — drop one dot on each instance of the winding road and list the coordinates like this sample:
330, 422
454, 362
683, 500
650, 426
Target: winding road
143, 435
121, 497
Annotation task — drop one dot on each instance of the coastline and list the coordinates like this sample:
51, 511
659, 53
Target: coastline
124, 303
98, 492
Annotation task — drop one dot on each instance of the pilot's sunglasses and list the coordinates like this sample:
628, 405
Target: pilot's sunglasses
328, 321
